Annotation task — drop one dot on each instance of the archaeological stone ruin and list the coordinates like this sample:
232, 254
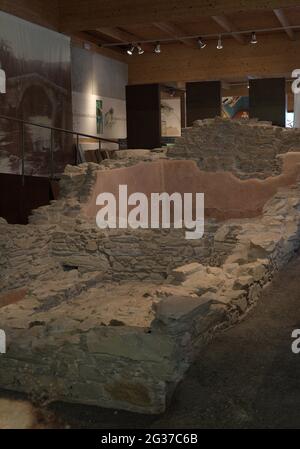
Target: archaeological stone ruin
115, 317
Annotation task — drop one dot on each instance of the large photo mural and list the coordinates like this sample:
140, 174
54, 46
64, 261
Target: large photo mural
37, 65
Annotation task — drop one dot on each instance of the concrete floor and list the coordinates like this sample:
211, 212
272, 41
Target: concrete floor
247, 377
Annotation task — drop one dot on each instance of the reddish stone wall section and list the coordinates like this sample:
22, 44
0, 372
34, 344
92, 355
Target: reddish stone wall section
226, 196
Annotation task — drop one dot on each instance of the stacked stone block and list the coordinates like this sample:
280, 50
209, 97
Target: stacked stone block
247, 148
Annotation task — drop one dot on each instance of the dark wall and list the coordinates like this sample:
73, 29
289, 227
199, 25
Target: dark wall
267, 100
18, 200
203, 100
143, 116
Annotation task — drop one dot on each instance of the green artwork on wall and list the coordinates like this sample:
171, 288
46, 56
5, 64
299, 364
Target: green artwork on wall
99, 116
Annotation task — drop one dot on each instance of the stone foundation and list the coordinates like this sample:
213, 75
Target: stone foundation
80, 325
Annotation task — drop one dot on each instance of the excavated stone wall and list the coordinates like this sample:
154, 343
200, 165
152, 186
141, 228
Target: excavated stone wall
246, 148
37, 253
79, 339
141, 254
226, 196
80, 325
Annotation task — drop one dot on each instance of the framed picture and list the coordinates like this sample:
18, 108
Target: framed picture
99, 116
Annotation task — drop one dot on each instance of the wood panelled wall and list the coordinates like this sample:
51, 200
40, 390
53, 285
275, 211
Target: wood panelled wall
90, 14
42, 12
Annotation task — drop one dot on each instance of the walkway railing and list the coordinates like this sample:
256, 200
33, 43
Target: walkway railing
53, 130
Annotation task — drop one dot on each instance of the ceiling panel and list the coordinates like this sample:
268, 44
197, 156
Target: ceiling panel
255, 21
146, 32
250, 20
203, 25
293, 15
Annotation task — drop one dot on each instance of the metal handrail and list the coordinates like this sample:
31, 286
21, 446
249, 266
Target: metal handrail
68, 131
52, 130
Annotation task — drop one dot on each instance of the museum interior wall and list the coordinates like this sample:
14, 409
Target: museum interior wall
98, 85
52, 83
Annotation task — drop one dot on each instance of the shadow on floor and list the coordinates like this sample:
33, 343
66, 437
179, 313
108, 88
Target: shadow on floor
247, 377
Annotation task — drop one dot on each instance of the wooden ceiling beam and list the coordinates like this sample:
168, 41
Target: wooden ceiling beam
283, 20
87, 37
117, 34
123, 36
174, 32
227, 26
90, 14
43, 13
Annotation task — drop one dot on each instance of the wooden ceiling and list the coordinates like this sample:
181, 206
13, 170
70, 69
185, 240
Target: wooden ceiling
122, 21
199, 26
93, 14
276, 54
42, 12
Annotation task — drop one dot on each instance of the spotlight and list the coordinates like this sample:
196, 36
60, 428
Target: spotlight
130, 50
87, 46
157, 48
253, 38
201, 43
140, 50
220, 45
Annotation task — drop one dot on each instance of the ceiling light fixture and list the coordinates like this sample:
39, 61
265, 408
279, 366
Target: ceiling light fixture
253, 38
201, 43
205, 36
140, 50
220, 45
130, 50
157, 48
87, 46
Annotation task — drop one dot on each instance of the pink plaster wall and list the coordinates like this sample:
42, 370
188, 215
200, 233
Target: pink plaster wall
226, 196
